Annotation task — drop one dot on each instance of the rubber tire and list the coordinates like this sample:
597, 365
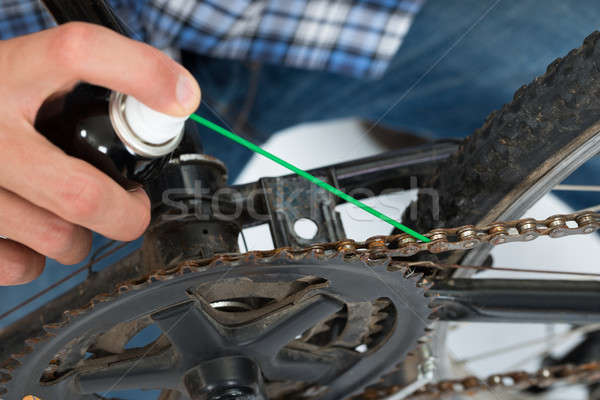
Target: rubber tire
518, 143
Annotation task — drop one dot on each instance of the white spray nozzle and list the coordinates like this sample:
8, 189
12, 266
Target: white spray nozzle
150, 125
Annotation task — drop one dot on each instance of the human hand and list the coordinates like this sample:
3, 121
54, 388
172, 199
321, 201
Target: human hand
50, 202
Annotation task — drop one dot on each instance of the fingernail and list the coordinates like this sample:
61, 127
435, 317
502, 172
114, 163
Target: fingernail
187, 93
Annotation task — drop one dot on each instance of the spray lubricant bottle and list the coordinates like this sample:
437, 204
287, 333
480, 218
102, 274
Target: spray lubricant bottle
114, 132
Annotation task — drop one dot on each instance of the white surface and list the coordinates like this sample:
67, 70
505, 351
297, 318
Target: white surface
150, 125
310, 146
314, 145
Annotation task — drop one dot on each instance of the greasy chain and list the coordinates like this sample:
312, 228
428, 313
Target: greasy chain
446, 239
516, 380
404, 245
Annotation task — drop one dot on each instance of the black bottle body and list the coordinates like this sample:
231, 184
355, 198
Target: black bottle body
79, 123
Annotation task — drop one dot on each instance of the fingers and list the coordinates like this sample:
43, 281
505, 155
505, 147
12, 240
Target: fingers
49, 200
85, 52
70, 188
42, 231
18, 264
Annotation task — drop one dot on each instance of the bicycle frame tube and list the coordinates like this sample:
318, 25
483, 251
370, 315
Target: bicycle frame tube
513, 301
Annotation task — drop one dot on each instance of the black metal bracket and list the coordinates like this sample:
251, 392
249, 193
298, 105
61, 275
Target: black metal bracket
291, 198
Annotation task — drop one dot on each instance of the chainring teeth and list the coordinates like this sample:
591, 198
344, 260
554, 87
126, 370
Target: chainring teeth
285, 257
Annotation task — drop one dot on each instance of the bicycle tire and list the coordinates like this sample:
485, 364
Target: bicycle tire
547, 121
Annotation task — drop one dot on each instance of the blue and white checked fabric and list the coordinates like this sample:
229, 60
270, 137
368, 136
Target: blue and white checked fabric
352, 37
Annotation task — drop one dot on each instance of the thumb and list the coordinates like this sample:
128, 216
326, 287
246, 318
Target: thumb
47, 62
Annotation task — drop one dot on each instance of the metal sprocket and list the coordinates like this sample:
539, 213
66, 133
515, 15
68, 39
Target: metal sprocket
280, 332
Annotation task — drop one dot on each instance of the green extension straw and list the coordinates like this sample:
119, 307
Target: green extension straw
306, 175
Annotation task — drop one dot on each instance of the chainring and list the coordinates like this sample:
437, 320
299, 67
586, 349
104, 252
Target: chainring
318, 325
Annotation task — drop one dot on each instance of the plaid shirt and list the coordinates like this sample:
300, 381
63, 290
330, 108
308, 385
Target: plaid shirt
352, 37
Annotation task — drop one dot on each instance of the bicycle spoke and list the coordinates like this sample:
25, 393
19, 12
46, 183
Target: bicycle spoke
577, 188
529, 343
505, 269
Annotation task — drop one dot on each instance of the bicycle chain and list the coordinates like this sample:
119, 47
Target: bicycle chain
515, 380
403, 245
449, 239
